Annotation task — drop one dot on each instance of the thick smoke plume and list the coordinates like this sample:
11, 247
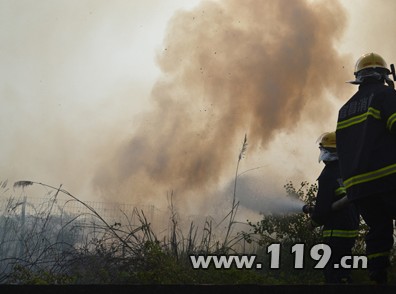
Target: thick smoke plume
228, 68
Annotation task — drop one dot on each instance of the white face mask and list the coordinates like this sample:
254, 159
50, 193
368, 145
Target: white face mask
326, 155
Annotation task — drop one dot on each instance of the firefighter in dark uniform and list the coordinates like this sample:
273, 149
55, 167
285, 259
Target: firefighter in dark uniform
340, 227
366, 137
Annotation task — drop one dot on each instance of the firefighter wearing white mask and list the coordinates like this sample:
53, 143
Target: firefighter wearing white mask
339, 227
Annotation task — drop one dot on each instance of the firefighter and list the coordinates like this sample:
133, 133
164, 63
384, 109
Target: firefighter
366, 137
340, 227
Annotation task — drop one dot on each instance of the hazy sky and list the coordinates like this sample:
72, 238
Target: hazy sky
101, 96
74, 76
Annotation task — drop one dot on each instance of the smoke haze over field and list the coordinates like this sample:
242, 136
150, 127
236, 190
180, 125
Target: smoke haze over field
262, 197
130, 100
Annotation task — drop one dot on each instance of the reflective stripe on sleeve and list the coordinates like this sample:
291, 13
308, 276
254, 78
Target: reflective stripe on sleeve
391, 121
340, 191
340, 233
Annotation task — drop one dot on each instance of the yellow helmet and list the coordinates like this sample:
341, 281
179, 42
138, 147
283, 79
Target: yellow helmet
371, 65
370, 60
327, 140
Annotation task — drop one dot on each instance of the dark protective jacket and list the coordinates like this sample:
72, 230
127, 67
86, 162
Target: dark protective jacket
342, 223
366, 140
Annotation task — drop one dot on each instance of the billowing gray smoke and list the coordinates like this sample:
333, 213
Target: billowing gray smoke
228, 68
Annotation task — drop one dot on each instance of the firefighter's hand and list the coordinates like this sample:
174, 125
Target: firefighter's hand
310, 225
308, 209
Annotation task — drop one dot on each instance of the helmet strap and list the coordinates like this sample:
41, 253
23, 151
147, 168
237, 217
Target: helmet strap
370, 73
363, 74
389, 82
